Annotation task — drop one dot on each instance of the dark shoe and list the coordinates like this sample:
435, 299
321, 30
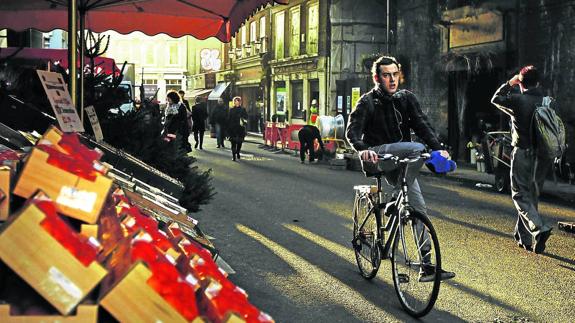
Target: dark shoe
540, 241
218, 146
527, 247
302, 162
196, 145
427, 274
201, 148
238, 155
234, 158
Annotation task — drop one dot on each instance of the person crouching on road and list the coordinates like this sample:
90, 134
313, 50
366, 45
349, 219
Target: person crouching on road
237, 119
307, 136
531, 231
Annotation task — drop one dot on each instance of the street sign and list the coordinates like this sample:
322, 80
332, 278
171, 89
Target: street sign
91, 112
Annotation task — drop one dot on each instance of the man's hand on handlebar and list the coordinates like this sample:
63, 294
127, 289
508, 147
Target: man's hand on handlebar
445, 154
368, 155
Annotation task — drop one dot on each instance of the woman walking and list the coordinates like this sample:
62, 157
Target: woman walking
175, 126
237, 118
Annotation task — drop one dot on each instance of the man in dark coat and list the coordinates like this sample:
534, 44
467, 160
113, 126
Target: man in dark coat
307, 136
237, 119
199, 116
531, 231
382, 121
218, 119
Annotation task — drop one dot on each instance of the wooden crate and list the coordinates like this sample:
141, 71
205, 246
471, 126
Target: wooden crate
84, 314
49, 268
75, 197
133, 300
54, 135
5, 191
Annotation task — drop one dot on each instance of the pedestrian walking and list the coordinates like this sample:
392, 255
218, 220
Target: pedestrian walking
528, 170
237, 119
218, 119
308, 136
199, 116
383, 120
175, 126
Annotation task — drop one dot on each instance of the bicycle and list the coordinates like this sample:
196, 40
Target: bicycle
414, 254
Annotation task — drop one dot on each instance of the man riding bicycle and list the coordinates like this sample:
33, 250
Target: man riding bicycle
381, 124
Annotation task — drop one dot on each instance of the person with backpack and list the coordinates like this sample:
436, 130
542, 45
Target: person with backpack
529, 163
383, 119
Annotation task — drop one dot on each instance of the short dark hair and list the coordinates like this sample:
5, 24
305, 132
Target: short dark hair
530, 76
174, 96
383, 60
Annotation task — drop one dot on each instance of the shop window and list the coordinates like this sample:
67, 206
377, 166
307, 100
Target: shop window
174, 85
279, 35
294, 31
312, 28
297, 100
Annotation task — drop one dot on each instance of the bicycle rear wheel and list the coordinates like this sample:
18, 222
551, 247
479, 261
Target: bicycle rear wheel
416, 264
366, 249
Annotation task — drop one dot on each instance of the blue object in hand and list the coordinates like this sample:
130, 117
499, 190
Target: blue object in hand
439, 164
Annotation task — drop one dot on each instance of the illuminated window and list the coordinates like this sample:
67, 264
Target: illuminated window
253, 31
294, 30
279, 34
174, 53
149, 54
262, 26
244, 35
312, 29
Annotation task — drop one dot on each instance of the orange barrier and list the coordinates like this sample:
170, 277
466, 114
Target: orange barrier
286, 136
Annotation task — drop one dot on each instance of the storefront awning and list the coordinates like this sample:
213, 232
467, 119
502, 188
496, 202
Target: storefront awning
218, 91
199, 92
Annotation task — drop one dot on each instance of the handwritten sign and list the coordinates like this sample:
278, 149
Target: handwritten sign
91, 113
61, 102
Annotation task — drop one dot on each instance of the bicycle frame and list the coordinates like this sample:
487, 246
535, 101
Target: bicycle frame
391, 226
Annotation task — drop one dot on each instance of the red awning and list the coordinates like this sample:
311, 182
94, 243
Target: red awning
198, 18
58, 56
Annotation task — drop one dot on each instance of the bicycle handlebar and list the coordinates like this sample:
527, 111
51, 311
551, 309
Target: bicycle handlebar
405, 160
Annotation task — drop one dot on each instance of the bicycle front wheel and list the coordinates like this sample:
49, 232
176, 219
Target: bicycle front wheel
364, 237
416, 264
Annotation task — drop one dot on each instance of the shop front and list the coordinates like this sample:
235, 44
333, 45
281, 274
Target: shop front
249, 87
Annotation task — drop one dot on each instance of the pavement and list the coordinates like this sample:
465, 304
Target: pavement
561, 192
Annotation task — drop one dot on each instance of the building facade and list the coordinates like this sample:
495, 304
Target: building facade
456, 53
162, 63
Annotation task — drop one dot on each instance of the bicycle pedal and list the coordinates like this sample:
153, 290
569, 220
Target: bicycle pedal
403, 278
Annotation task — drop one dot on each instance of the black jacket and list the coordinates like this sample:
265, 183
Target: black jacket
199, 116
234, 127
308, 133
219, 114
389, 121
520, 107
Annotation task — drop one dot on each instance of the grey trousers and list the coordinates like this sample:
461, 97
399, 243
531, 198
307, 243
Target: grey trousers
525, 187
403, 150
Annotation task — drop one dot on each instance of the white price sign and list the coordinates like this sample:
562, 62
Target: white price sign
61, 102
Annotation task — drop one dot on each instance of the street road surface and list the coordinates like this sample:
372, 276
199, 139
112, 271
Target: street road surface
285, 228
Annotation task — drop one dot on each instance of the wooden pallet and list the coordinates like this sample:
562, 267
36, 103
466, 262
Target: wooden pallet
131, 299
75, 197
47, 266
84, 314
4, 192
